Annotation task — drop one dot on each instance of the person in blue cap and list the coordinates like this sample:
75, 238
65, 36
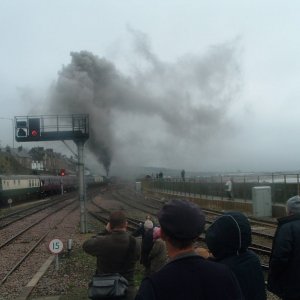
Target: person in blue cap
284, 272
187, 275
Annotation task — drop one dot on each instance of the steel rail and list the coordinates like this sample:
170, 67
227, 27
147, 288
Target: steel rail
33, 224
43, 236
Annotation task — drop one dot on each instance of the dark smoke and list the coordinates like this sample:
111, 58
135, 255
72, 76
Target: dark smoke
189, 98
85, 86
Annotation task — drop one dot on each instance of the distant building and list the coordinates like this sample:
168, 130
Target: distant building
40, 159
22, 156
37, 165
52, 162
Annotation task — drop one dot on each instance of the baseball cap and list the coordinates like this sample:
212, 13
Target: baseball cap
181, 219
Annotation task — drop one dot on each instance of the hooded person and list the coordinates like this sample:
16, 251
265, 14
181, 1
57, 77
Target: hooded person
228, 239
284, 272
187, 275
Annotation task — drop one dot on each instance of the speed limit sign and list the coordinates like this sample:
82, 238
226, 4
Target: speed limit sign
56, 246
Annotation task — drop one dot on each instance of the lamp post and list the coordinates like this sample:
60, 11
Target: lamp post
13, 130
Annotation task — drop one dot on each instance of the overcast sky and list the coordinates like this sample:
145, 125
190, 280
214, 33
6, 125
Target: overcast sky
198, 85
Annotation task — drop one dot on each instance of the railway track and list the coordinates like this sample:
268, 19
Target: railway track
27, 240
260, 228
133, 203
261, 240
35, 223
140, 202
103, 216
20, 214
24, 243
262, 231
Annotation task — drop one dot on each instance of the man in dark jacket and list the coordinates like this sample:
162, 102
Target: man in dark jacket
187, 275
116, 250
284, 273
228, 239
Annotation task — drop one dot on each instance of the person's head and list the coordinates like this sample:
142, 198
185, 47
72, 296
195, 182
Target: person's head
148, 224
181, 222
293, 205
229, 235
156, 233
117, 220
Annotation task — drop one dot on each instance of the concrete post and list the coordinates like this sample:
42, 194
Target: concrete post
82, 196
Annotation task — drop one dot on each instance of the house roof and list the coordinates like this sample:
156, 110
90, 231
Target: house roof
20, 153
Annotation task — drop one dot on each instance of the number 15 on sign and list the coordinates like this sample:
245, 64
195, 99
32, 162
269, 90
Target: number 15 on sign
56, 246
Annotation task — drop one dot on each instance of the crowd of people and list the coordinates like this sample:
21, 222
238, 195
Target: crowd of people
174, 268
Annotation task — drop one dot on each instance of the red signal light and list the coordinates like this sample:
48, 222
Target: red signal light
34, 132
62, 172
34, 128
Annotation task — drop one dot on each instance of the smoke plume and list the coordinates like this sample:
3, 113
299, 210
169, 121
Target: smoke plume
159, 104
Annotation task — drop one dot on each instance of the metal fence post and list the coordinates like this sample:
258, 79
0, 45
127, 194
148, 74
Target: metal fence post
222, 188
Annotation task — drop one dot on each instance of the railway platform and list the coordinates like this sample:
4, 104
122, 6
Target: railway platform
217, 202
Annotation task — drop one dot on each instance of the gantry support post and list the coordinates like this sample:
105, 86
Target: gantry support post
82, 190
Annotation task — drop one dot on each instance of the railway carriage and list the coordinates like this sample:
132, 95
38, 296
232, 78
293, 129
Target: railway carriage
49, 185
53, 184
70, 183
21, 188
18, 187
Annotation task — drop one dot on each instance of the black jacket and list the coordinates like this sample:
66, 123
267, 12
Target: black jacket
228, 238
190, 277
284, 263
147, 243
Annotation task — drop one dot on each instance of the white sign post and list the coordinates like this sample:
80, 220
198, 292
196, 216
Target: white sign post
9, 201
56, 246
